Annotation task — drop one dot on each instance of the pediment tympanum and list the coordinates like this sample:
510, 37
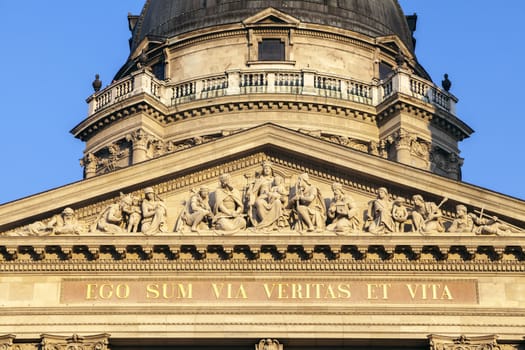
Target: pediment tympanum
272, 181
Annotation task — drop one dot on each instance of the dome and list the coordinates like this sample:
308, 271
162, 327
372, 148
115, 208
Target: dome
167, 18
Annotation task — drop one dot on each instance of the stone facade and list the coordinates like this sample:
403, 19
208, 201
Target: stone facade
239, 203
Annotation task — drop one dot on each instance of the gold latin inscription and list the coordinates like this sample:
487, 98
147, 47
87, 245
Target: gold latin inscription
169, 291
266, 290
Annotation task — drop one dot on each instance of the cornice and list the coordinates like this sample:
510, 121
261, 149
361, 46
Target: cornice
140, 103
402, 253
227, 104
441, 119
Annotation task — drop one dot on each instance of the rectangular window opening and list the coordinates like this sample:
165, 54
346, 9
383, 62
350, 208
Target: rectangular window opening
271, 50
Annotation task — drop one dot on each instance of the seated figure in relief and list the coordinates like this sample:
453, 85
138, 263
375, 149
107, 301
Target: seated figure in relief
229, 207
342, 211
308, 204
64, 223
265, 204
480, 225
426, 216
154, 213
379, 215
111, 219
197, 214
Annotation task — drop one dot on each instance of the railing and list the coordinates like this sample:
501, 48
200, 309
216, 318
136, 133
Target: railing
267, 81
116, 92
327, 86
387, 88
429, 93
254, 82
214, 86
359, 92
289, 82
184, 92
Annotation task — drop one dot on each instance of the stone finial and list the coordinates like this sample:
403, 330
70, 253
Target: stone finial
446, 83
142, 60
400, 59
97, 83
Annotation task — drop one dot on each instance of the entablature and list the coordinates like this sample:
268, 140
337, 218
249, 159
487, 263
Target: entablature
264, 253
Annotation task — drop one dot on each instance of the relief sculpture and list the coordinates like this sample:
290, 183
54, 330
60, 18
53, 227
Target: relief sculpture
272, 202
342, 212
64, 223
479, 224
379, 216
426, 216
267, 199
197, 214
308, 206
153, 213
229, 207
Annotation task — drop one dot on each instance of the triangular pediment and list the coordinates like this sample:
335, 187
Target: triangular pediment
394, 44
270, 17
176, 176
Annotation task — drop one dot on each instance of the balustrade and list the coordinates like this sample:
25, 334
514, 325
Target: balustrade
281, 81
359, 92
123, 88
387, 88
103, 100
184, 92
289, 82
214, 86
327, 86
254, 82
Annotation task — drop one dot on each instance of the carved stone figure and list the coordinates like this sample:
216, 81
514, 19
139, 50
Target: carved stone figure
111, 219
132, 212
197, 214
379, 215
426, 216
228, 208
342, 211
480, 225
280, 192
399, 214
153, 213
64, 223
265, 205
309, 206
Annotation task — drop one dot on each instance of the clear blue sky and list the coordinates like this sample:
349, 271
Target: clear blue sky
51, 51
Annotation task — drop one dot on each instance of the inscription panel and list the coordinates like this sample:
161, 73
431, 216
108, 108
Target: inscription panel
267, 290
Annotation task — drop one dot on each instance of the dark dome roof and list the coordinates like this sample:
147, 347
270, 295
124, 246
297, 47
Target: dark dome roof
167, 18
